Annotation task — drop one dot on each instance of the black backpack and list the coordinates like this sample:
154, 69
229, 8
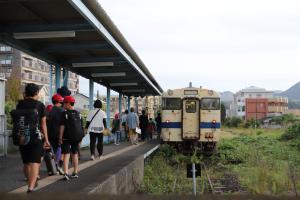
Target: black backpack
73, 126
25, 127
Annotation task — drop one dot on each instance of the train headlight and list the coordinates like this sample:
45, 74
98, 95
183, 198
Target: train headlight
213, 124
167, 121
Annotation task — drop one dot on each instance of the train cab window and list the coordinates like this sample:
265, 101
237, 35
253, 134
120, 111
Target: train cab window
210, 104
190, 106
171, 103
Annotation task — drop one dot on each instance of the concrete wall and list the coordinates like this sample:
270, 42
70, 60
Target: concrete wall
125, 181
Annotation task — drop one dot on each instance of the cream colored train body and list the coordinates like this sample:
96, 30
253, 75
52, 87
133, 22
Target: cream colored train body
191, 117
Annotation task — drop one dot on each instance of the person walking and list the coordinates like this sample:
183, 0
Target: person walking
53, 125
158, 125
116, 129
30, 146
143, 124
95, 124
132, 122
71, 134
124, 128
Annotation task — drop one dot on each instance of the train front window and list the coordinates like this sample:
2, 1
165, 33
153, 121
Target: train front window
171, 104
210, 104
190, 106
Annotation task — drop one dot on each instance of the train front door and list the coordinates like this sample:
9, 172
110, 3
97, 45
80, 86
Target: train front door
190, 119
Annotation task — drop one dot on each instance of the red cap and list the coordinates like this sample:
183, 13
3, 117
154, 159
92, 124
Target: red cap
69, 99
57, 97
49, 108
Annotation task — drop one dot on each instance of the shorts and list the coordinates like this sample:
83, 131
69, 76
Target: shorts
31, 153
70, 147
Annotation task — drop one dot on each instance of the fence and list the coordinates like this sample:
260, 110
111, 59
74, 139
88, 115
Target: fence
3, 136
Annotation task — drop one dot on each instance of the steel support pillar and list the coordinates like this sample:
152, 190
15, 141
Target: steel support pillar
91, 94
57, 77
65, 77
108, 107
120, 104
136, 105
50, 83
128, 103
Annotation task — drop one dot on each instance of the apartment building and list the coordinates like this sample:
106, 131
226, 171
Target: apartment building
19, 65
254, 101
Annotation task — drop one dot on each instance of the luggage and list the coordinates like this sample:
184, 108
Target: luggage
49, 158
74, 129
25, 127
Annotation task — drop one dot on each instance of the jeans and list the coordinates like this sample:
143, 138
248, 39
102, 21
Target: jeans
117, 137
93, 138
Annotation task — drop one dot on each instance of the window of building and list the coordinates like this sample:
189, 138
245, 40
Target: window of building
5, 48
243, 108
258, 95
5, 59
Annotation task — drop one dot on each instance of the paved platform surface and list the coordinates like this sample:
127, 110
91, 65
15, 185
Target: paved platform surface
12, 176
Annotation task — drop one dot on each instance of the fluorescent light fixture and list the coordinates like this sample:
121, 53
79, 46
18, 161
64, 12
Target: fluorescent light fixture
123, 84
93, 64
108, 74
48, 34
134, 90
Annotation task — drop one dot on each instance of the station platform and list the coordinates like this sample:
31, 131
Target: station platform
92, 174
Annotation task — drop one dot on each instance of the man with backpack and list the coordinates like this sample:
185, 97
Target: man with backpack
53, 125
71, 134
29, 124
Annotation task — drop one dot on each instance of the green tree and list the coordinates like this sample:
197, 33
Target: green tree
223, 113
13, 86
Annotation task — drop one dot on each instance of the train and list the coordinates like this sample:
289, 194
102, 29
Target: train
191, 119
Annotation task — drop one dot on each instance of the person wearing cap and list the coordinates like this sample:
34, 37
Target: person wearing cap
116, 125
66, 136
53, 125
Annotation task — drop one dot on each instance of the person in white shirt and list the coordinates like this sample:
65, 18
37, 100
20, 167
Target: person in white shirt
95, 124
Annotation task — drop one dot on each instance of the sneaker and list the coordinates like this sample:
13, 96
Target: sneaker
60, 171
34, 189
92, 157
118, 144
74, 175
66, 177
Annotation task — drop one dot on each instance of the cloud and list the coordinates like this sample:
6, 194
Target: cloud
223, 45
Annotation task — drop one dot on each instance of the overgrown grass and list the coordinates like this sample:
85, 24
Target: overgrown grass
264, 161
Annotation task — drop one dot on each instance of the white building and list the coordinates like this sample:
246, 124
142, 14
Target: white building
238, 107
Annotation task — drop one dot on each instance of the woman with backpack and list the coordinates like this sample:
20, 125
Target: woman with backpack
95, 125
116, 125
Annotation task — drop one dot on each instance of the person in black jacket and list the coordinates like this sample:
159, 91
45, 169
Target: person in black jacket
143, 124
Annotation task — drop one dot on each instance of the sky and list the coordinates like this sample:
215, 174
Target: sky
224, 45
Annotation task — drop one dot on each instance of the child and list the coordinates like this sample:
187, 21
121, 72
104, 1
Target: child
71, 134
116, 129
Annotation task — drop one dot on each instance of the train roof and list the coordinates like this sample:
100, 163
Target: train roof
191, 91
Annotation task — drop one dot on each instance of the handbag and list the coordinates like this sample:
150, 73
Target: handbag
138, 130
106, 132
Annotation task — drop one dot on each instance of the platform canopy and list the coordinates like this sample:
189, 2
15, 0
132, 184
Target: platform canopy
77, 35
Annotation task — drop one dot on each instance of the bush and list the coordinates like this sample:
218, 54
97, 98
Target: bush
232, 122
292, 132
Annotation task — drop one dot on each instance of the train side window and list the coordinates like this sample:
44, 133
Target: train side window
190, 106
210, 104
171, 103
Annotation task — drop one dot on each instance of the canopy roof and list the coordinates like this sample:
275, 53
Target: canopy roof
79, 36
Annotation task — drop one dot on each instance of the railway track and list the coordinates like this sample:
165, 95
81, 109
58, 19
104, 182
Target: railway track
227, 184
